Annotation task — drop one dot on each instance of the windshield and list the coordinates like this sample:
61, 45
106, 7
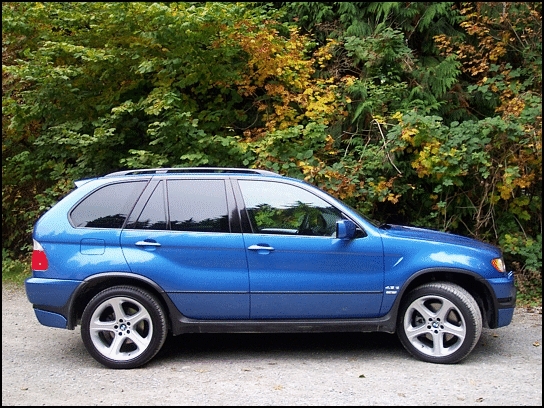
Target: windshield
336, 200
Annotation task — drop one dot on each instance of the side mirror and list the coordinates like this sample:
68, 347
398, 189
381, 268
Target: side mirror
345, 229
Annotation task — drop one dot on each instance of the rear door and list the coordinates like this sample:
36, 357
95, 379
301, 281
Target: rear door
182, 235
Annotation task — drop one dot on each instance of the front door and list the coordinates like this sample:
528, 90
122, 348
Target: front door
298, 269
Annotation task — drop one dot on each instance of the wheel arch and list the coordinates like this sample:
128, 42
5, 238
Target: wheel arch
473, 283
96, 283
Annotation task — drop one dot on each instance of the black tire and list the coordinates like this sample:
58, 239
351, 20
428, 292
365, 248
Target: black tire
123, 327
439, 322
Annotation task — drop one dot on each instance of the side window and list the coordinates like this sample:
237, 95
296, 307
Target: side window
153, 216
198, 205
107, 207
279, 208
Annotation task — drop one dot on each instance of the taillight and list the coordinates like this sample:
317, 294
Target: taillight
39, 258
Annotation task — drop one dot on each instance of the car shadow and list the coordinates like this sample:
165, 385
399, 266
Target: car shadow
211, 345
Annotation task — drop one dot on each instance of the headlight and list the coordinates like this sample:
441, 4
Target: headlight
498, 264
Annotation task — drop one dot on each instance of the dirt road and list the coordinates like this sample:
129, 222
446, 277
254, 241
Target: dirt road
47, 366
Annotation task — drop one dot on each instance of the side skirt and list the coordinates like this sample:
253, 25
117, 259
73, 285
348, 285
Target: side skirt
184, 325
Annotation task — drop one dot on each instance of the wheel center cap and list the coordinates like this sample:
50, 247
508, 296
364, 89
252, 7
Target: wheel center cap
123, 327
435, 325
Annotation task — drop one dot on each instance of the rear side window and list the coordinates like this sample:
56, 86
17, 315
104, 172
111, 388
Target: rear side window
198, 205
153, 216
107, 207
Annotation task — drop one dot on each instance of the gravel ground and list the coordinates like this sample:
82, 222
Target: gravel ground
47, 366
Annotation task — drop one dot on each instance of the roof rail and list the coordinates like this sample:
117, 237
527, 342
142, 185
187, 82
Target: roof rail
179, 170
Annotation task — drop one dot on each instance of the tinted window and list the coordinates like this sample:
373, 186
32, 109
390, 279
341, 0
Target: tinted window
153, 215
107, 207
198, 205
279, 208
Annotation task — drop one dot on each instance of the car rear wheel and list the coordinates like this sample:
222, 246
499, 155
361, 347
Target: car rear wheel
439, 322
123, 327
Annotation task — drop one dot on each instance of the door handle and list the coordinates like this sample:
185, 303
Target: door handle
260, 247
148, 243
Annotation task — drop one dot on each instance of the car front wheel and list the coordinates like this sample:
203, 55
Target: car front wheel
123, 327
439, 322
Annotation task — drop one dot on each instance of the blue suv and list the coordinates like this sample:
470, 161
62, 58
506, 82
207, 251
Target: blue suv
137, 255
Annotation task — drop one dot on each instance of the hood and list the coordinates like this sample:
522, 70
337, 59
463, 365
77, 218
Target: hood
425, 234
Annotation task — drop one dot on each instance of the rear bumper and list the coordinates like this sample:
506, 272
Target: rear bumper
51, 299
51, 319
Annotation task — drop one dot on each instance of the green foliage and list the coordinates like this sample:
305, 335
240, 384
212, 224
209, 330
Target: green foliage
501, 186
421, 113
420, 21
92, 87
530, 249
14, 270
379, 55
281, 150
